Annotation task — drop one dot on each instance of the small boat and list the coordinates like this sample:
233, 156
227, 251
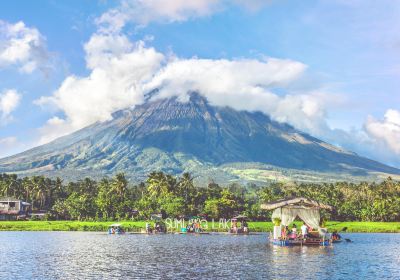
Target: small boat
159, 228
115, 229
336, 237
243, 229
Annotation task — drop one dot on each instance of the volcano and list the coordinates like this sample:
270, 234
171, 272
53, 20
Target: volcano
213, 143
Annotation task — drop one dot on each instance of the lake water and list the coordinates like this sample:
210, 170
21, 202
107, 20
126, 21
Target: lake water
86, 255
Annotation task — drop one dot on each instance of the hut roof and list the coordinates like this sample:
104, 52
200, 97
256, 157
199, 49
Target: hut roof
240, 217
295, 201
115, 225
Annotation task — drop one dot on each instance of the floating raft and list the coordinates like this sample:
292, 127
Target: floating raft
301, 242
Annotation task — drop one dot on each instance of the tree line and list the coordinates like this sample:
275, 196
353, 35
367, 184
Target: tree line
115, 198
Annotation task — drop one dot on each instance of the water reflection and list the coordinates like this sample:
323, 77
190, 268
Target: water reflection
71, 255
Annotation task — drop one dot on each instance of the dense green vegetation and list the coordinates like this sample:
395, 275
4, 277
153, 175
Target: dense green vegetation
114, 199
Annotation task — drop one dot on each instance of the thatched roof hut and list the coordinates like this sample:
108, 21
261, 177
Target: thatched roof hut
295, 202
288, 209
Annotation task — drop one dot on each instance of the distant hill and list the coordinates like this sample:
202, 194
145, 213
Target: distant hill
213, 143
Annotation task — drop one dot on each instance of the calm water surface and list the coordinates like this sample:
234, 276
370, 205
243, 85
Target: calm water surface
85, 255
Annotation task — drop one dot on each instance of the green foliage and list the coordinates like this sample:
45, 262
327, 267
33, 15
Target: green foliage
277, 222
174, 206
114, 199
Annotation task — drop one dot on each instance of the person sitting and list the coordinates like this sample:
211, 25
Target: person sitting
158, 227
190, 228
285, 232
245, 227
304, 230
234, 227
336, 236
293, 233
148, 229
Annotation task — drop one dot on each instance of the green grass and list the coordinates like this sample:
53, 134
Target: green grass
66, 226
139, 225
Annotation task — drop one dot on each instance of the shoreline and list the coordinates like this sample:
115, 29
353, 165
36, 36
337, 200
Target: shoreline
137, 226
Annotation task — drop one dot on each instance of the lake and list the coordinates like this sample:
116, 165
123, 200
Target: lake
88, 255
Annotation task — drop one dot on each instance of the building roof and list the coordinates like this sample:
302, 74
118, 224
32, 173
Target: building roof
9, 198
295, 202
13, 199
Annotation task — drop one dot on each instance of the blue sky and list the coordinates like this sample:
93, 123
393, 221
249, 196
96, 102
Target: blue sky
342, 60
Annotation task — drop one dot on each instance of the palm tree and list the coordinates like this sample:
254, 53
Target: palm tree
39, 191
119, 185
7, 189
186, 189
157, 184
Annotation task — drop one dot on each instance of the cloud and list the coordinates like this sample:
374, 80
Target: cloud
11, 145
22, 47
143, 12
245, 84
9, 101
8, 141
387, 131
252, 5
54, 128
6, 145
118, 70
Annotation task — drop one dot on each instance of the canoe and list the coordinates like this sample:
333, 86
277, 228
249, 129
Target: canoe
337, 241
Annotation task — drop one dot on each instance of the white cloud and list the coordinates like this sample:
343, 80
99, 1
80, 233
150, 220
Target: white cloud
143, 12
11, 145
386, 131
118, 72
22, 47
54, 128
252, 5
245, 84
6, 145
9, 101
8, 141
